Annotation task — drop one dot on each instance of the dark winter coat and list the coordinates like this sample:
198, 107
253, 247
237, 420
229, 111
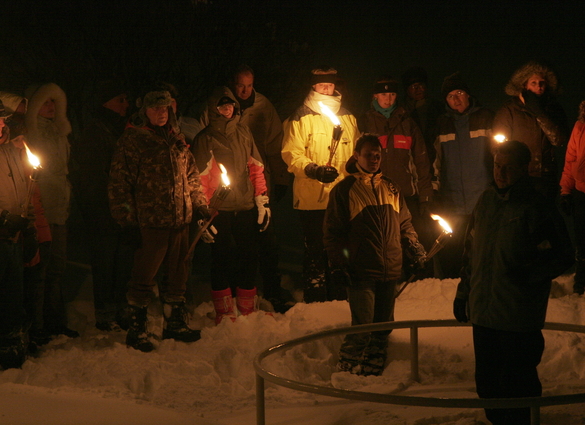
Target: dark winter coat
366, 225
230, 143
404, 154
463, 165
540, 133
512, 252
154, 181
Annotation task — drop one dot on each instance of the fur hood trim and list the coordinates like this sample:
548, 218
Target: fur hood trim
520, 77
37, 96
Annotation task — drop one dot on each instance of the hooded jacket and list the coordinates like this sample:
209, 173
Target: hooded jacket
405, 160
47, 139
463, 165
573, 177
230, 143
307, 139
366, 225
540, 132
512, 252
154, 181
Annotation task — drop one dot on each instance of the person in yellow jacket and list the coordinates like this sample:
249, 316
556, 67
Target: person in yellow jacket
306, 149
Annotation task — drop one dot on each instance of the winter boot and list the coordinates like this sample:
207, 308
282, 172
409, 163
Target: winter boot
137, 336
175, 326
579, 285
14, 348
224, 305
374, 357
246, 301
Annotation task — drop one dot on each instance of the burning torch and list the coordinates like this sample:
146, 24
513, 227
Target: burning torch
214, 204
34, 177
440, 242
500, 138
337, 131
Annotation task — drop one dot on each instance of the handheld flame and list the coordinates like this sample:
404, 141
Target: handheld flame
443, 223
33, 159
500, 138
224, 177
329, 113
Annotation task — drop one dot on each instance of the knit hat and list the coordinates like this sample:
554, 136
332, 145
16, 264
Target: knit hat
323, 75
415, 74
390, 86
453, 82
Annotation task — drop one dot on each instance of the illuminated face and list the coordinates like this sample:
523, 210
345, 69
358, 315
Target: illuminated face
2, 125
536, 84
385, 100
369, 158
158, 115
48, 109
118, 104
417, 91
507, 171
458, 100
325, 88
244, 85
226, 110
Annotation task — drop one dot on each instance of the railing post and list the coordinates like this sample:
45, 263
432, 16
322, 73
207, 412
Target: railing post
414, 354
260, 408
534, 415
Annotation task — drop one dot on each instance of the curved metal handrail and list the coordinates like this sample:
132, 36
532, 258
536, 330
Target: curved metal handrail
533, 402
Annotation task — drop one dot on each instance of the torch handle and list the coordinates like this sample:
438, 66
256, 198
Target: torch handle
202, 229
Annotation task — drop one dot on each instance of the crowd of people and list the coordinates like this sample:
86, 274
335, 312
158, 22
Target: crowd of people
151, 185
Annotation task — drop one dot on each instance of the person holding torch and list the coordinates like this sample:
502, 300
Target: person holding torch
315, 149
367, 227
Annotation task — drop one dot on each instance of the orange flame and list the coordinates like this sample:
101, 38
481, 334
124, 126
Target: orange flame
224, 176
325, 110
33, 159
443, 223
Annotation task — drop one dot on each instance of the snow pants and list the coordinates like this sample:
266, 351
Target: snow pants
168, 246
505, 367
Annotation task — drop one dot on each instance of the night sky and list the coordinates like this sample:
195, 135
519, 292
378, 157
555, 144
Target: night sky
194, 44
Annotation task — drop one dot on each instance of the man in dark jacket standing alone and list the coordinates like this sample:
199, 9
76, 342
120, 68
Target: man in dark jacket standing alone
513, 250
154, 185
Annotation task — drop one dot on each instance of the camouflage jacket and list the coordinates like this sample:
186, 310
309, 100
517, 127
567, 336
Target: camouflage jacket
154, 181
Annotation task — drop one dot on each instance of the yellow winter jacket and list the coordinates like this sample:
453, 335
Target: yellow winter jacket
307, 138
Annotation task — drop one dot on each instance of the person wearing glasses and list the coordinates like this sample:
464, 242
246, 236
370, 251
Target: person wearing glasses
462, 167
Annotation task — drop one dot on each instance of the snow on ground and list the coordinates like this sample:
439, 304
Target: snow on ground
96, 379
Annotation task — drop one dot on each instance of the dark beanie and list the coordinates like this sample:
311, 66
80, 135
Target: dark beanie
390, 86
453, 82
109, 89
416, 74
323, 75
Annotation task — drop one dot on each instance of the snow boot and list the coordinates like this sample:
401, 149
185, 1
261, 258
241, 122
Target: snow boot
175, 326
137, 336
224, 305
374, 357
579, 285
246, 301
14, 348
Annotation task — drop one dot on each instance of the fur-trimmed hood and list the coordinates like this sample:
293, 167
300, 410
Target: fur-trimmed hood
519, 78
37, 96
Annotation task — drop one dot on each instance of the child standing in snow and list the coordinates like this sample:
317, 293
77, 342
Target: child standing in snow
367, 225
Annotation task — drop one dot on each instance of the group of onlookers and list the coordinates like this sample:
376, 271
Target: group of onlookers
148, 187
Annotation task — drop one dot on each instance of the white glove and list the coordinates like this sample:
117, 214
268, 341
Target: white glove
263, 211
208, 236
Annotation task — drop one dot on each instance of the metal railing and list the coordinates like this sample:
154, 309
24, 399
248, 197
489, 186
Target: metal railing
534, 403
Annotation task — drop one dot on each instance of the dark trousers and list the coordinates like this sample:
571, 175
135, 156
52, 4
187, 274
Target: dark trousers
315, 266
234, 254
505, 367
54, 313
160, 246
11, 287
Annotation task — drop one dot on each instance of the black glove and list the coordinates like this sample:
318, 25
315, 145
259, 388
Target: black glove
30, 244
340, 278
460, 310
566, 203
323, 173
12, 223
417, 257
202, 212
278, 193
532, 102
